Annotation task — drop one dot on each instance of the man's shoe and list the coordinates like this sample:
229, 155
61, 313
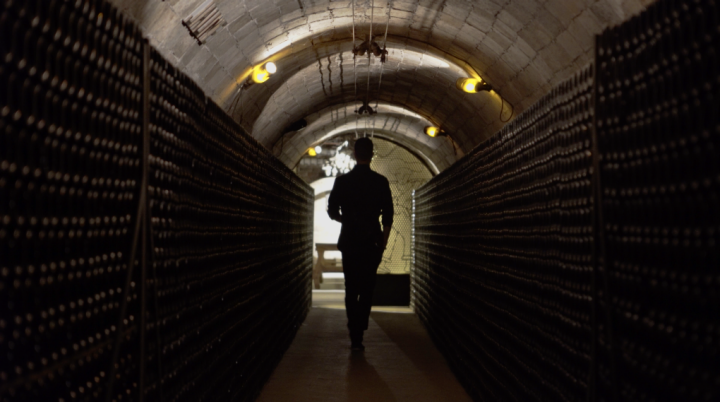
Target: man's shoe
357, 347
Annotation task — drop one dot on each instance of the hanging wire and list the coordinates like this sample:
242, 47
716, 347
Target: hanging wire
502, 100
367, 93
502, 105
452, 141
387, 24
353, 23
372, 13
242, 112
234, 104
377, 100
357, 115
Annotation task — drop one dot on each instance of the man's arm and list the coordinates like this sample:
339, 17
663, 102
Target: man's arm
334, 203
386, 234
388, 211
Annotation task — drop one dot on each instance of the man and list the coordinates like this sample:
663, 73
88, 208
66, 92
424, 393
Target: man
357, 200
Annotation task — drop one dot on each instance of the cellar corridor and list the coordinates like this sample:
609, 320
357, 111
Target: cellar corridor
400, 362
165, 167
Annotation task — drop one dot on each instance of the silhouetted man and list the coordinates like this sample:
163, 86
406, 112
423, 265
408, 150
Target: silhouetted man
357, 200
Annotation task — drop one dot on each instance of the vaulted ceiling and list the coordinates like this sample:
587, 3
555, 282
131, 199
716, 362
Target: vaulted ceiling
521, 47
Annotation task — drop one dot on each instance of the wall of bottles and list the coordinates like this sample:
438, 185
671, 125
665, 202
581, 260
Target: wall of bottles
531, 291
220, 247
70, 124
233, 231
658, 130
503, 254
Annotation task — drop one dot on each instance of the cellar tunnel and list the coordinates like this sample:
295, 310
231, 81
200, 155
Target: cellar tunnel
165, 166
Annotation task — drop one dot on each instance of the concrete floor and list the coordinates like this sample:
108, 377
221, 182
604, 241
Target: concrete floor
400, 362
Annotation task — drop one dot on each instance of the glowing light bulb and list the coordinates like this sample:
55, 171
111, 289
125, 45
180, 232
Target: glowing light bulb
431, 131
311, 152
262, 73
260, 76
468, 85
318, 149
472, 85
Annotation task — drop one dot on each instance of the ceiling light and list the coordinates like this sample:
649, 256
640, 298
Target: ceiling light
340, 163
318, 149
472, 85
433, 131
370, 46
270, 67
311, 152
262, 73
365, 108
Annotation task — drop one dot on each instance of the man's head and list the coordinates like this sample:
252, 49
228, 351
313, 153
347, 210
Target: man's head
363, 150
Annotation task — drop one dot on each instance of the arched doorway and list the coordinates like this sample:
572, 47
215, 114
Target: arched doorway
404, 170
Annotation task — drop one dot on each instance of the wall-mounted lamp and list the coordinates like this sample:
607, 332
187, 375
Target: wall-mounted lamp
262, 73
472, 85
311, 152
258, 75
433, 131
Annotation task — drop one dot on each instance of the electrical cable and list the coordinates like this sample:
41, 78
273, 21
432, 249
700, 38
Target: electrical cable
353, 24
372, 13
235, 100
387, 24
474, 70
366, 128
370, 39
452, 141
502, 105
357, 115
377, 99
367, 94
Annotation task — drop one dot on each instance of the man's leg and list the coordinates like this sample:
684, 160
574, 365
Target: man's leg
352, 293
360, 271
352, 267
365, 295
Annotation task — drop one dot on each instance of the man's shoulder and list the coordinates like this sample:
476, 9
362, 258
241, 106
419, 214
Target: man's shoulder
342, 177
358, 175
378, 176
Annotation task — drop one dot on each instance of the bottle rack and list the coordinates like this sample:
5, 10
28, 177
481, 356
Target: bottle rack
534, 293
135, 213
504, 252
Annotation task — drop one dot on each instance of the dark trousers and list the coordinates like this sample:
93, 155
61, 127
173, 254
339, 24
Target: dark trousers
360, 268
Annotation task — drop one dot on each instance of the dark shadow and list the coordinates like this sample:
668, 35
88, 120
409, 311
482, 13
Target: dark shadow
364, 383
409, 335
406, 331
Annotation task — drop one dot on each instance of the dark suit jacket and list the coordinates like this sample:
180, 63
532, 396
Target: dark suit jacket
360, 197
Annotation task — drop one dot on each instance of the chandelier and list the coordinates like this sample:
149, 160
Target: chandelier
338, 164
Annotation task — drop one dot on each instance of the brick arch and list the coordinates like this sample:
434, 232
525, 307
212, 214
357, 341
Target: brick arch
522, 47
416, 81
406, 129
392, 137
